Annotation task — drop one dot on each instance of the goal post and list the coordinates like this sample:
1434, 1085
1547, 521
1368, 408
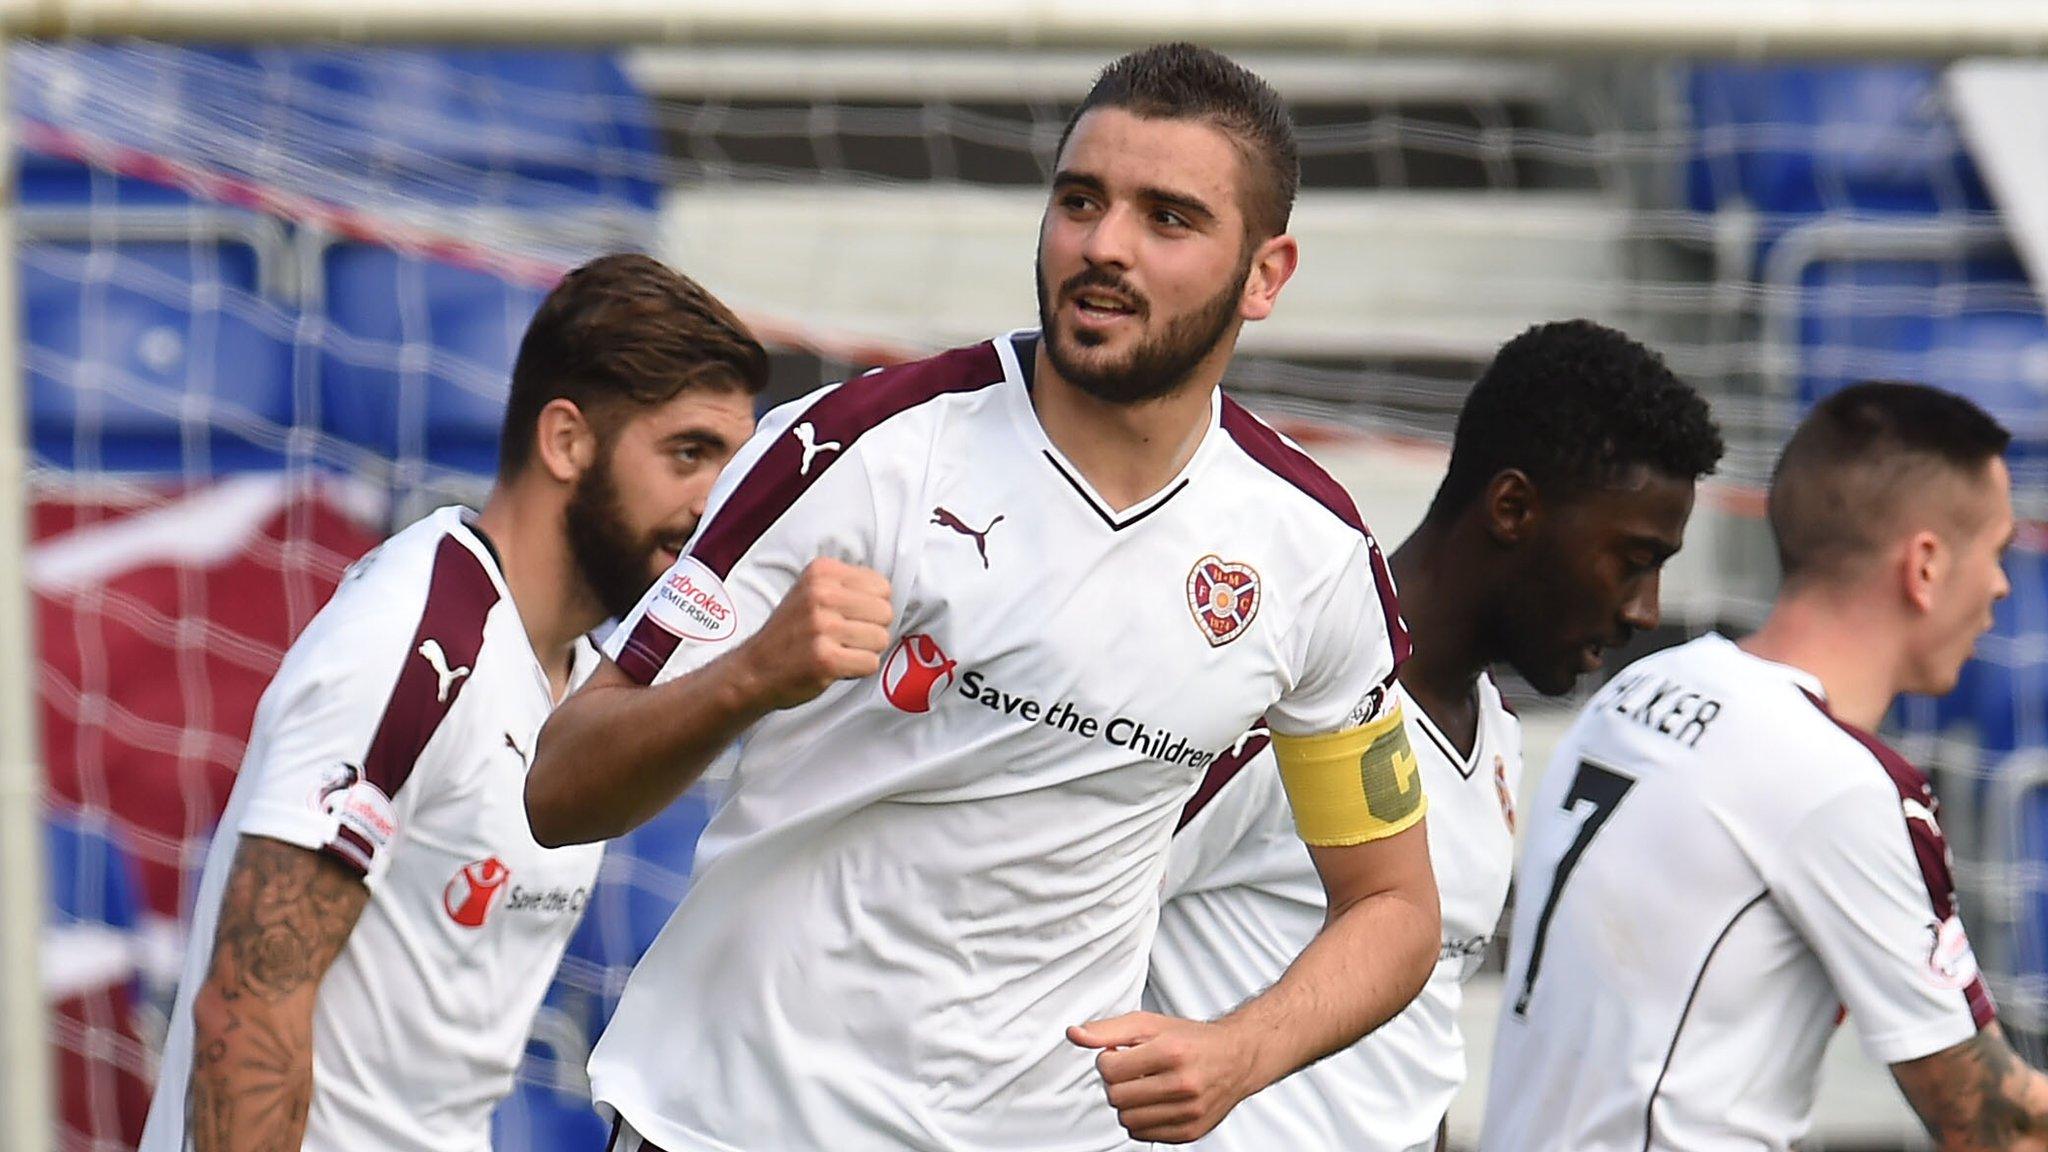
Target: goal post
1744, 28
26, 1088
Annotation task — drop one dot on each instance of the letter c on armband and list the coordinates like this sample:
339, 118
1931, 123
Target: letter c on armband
1354, 786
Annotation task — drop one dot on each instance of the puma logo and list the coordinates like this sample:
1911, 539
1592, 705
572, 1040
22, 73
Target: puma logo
807, 436
518, 751
1256, 731
946, 519
436, 659
1915, 810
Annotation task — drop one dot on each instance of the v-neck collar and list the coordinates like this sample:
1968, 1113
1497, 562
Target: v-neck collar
1466, 765
582, 654
1018, 352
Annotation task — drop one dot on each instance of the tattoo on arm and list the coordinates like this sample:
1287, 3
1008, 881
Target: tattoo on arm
1978, 1096
285, 916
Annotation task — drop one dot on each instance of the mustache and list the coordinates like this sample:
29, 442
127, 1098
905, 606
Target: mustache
1103, 278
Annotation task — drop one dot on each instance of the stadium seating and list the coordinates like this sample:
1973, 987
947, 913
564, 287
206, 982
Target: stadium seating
92, 881
413, 355
419, 355
539, 1117
1787, 140
645, 873
173, 366
527, 129
453, 127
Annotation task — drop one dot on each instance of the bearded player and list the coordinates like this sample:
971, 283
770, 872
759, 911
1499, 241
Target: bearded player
1724, 860
376, 926
979, 623
1570, 483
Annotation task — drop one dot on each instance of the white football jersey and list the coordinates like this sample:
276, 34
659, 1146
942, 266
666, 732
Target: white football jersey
396, 737
1717, 869
916, 882
1242, 900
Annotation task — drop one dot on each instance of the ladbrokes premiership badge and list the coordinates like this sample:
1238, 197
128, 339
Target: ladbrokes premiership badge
1224, 597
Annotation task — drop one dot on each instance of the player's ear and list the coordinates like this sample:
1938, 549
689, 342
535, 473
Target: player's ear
1924, 566
1273, 264
564, 444
1511, 507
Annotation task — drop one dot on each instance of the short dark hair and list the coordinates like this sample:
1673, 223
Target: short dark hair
1572, 405
1851, 463
1182, 81
623, 331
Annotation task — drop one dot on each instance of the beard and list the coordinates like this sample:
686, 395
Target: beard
615, 564
1156, 367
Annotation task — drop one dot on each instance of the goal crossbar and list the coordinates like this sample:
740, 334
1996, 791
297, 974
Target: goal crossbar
1738, 28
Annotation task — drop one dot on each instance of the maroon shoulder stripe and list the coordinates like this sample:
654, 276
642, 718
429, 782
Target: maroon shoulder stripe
646, 650
821, 437
1223, 771
438, 664
1294, 466
1930, 847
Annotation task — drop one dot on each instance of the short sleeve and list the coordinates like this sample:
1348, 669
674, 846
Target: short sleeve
1348, 660
1227, 805
354, 707
1866, 881
793, 493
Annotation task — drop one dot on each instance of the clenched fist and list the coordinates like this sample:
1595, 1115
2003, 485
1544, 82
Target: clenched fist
832, 626
1170, 1080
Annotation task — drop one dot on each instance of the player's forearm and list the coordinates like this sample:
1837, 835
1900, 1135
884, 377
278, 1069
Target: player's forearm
613, 756
1361, 970
252, 1071
286, 914
1979, 1096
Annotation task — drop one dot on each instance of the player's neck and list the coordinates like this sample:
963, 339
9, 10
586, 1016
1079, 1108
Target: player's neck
553, 604
1826, 634
1441, 599
1126, 452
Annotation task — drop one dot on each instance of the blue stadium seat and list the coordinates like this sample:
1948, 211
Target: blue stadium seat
1792, 139
154, 357
2016, 828
91, 879
542, 1118
1972, 326
2008, 680
562, 122
422, 355
514, 128
646, 872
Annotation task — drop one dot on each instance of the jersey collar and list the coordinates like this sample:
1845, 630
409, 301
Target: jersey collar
1466, 765
462, 522
1799, 677
1018, 353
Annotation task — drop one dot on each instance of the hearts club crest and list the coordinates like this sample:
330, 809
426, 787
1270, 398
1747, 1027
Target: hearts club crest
1224, 598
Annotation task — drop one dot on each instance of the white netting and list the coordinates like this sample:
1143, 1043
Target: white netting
271, 295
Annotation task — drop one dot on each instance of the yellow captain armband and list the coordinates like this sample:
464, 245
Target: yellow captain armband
1353, 786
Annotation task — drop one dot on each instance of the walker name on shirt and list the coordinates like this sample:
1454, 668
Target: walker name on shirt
1118, 732
1665, 706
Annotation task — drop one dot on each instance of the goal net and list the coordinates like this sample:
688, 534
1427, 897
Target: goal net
271, 295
